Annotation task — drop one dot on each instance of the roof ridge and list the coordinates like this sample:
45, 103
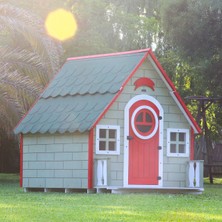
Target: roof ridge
109, 54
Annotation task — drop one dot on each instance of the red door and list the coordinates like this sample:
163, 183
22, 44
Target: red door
143, 139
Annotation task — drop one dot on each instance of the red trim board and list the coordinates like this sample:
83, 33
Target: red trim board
162, 71
121, 88
21, 160
192, 137
166, 77
178, 97
144, 81
164, 74
109, 54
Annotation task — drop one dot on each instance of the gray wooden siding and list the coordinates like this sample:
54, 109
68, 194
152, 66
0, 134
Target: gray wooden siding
174, 168
55, 161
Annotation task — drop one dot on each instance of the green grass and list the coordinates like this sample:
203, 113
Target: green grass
15, 205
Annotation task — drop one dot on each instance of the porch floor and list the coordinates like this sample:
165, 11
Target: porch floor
167, 190
121, 190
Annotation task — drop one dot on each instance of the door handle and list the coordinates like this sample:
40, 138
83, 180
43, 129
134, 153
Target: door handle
129, 137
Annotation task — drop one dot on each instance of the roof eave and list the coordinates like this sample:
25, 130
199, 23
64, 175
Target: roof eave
124, 83
109, 54
177, 98
38, 98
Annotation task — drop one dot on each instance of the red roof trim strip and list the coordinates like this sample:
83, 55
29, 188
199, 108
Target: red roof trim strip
198, 129
166, 77
191, 144
148, 52
109, 54
122, 87
170, 83
175, 92
21, 161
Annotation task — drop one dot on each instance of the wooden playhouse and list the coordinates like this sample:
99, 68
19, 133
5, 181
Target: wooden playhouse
111, 122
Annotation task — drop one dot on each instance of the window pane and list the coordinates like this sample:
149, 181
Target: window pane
102, 133
102, 145
148, 118
112, 133
173, 148
139, 117
143, 128
182, 148
182, 137
173, 136
112, 146
107, 139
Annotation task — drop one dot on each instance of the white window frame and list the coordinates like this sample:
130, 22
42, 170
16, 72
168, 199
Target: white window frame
187, 143
133, 122
108, 152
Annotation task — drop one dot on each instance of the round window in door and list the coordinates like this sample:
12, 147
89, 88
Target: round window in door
144, 122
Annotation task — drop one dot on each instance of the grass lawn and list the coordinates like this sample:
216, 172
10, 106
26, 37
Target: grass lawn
15, 205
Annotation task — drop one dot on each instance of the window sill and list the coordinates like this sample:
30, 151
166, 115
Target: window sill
107, 153
177, 155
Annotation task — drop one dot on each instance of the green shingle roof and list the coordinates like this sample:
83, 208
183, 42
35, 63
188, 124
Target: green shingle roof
79, 93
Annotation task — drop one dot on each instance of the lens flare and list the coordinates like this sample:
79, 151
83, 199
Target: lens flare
61, 24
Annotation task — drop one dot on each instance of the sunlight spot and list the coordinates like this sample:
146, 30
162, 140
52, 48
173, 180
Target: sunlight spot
192, 216
61, 24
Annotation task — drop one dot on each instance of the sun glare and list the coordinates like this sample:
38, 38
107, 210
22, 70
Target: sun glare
61, 24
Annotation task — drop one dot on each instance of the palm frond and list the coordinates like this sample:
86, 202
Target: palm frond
17, 81
10, 110
31, 28
28, 59
29, 63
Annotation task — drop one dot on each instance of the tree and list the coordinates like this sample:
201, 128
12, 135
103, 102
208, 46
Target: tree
107, 26
193, 28
28, 59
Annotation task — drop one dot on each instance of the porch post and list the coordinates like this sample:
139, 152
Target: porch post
195, 173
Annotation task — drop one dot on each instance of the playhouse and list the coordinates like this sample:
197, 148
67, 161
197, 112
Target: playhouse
111, 122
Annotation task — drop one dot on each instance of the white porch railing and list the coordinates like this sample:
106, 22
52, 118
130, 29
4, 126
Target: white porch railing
195, 173
101, 173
